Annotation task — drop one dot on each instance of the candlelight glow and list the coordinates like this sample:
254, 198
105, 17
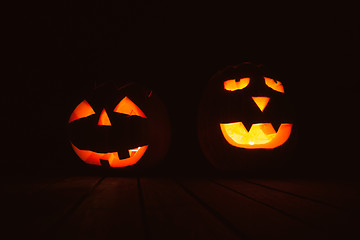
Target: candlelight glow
92, 157
260, 135
126, 106
104, 119
274, 84
233, 85
261, 102
81, 111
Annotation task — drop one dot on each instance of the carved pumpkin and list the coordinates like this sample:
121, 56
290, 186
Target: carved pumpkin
120, 127
245, 120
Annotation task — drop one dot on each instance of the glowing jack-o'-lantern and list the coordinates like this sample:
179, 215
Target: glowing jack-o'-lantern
120, 127
260, 135
245, 119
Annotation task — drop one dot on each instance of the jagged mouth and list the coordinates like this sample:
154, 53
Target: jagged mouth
260, 135
112, 158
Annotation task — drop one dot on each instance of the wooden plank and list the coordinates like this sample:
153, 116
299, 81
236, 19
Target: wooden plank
253, 219
19, 186
171, 213
35, 214
329, 220
111, 211
340, 194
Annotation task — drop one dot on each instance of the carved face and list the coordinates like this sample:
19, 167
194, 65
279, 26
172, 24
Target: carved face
260, 134
244, 117
110, 129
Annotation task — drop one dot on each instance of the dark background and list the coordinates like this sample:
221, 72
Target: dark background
60, 49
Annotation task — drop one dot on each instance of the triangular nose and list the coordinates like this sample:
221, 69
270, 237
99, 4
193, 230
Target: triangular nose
261, 102
104, 119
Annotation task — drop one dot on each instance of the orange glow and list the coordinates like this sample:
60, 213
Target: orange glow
275, 85
260, 135
82, 110
104, 119
133, 151
93, 158
126, 106
233, 85
261, 102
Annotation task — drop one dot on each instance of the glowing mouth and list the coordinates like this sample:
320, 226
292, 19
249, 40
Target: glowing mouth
92, 157
260, 135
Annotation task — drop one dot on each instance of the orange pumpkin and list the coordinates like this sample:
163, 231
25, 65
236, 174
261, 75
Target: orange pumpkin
120, 127
245, 118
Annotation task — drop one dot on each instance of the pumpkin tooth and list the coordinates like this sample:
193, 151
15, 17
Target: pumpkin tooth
133, 151
123, 154
104, 163
276, 125
247, 125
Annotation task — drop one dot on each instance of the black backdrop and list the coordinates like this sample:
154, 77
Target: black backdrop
60, 49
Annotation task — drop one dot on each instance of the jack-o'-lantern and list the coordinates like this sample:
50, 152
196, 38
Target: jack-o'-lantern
245, 119
120, 127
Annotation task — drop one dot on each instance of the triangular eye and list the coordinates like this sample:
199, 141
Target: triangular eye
126, 106
274, 84
82, 110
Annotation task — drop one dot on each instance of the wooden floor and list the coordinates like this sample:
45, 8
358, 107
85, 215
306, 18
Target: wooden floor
98, 207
